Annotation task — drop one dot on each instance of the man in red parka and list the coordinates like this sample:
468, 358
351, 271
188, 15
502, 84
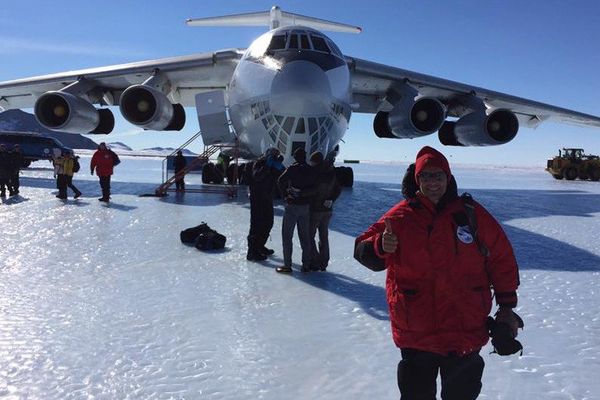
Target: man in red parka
439, 283
103, 162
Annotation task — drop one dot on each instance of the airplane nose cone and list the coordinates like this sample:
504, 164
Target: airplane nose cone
300, 87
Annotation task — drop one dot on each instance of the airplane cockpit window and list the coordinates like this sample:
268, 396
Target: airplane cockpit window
334, 49
293, 41
304, 43
277, 43
319, 43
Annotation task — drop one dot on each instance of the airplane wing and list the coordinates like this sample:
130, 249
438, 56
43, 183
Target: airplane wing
371, 83
187, 75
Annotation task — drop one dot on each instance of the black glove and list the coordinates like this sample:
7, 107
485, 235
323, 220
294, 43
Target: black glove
503, 340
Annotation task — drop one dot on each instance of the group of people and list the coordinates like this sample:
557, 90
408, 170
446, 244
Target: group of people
446, 259
67, 164
11, 163
308, 190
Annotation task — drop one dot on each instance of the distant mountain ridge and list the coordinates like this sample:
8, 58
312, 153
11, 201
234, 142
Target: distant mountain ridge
18, 120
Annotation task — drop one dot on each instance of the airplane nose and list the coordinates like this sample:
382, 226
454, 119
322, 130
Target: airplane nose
300, 87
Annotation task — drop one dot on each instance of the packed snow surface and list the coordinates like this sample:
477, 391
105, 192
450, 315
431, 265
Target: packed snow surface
104, 302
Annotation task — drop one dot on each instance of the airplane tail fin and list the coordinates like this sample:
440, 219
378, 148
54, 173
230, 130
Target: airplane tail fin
274, 18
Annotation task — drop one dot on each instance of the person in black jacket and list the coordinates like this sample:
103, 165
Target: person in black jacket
295, 185
4, 170
15, 164
326, 191
262, 177
179, 163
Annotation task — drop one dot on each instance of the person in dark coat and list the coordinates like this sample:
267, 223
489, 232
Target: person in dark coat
179, 163
262, 177
295, 185
326, 191
16, 160
4, 170
439, 281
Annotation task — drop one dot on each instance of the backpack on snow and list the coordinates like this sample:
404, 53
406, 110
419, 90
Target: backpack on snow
203, 237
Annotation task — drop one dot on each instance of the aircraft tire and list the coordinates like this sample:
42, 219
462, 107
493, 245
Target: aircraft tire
207, 172
231, 173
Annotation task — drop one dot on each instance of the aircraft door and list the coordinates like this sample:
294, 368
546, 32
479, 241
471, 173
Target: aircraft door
212, 117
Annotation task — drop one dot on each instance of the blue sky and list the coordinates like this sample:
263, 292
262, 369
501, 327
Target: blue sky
544, 50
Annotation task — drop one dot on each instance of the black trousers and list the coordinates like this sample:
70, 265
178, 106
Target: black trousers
418, 371
261, 221
61, 184
180, 185
105, 185
69, 182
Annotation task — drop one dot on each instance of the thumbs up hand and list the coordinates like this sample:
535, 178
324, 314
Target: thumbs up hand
389, 241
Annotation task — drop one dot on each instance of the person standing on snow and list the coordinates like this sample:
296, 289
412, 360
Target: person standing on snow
326, 191
103, 161
438, 282
262, 178
179, 163
295, 185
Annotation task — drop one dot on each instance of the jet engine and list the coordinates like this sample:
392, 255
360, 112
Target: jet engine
410, 119
480, 129
150, 108
62, 111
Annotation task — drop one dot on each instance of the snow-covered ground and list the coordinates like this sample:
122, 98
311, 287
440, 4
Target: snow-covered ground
104, 302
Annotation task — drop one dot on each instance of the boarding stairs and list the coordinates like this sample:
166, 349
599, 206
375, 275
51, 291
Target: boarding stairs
230, 188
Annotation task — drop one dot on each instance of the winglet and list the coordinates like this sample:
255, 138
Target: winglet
275, 18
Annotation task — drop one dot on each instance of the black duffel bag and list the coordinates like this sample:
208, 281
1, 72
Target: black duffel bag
190, 235
212, 240
203, 237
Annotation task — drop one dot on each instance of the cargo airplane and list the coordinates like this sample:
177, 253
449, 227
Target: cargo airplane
292, 87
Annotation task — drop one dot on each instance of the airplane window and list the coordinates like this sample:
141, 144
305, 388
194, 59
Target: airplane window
297, 145
281, 147
279, 119
321, 121
288, 124
319, 43
312, 125
300, 126
304, 44
334, 49
273, 135
265, 123
277, 43
283, 137
293, 42
314, 140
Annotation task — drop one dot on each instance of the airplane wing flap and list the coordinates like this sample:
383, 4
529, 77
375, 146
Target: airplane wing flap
191, 73
372, 81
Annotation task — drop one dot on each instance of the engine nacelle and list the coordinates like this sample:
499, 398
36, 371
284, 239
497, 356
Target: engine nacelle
480, 129
149, 108
62, 111
410, 119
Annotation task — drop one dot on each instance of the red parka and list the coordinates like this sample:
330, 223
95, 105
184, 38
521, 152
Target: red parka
438, 284
102, 161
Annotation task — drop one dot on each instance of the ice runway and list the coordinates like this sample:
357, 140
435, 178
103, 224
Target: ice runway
104, 302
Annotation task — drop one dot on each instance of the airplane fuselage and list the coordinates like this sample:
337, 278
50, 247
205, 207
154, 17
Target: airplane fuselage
291, 89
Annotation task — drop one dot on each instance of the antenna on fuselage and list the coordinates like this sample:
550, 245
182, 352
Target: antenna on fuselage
275, 18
